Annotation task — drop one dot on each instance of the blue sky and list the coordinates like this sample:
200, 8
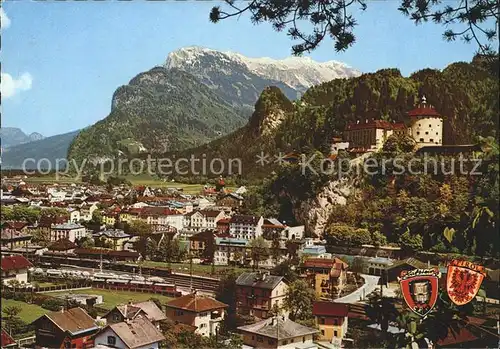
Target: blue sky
67, 58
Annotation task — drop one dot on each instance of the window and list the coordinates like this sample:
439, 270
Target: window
203, 325
431, 140
418, 132
322, 321
322, 332
426, 133
270, 341
335, 322
111, 340
303, 339
421, 139
285, 342
260, 339
335, 333
179, 313
116, 317
436, 133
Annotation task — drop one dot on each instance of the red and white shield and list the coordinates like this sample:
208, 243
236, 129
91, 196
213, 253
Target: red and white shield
420, 289
463, 281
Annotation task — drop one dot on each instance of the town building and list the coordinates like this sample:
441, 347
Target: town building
13, 238
278, 332
138, 333
203, 312
369, 135
257, 293
15, 268
245, 226
230, 251
326, 276
223, 226
131, 311
162, 216
231, 200
72, 328
199, 242
70, 231
331, 319
116, 238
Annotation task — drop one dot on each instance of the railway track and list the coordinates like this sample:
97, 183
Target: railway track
180, 280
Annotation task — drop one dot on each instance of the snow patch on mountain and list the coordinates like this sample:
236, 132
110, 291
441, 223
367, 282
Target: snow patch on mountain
299, 73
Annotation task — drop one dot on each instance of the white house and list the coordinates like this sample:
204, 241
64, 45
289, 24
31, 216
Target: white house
197, 221
15, 268
245, 227
74, 215
70, 231
205, 313
139, 333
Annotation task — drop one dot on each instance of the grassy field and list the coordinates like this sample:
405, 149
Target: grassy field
113, 298
198, 269
29, 312
145, 180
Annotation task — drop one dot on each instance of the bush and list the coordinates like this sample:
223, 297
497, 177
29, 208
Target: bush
53, 304
7, 294
19, 296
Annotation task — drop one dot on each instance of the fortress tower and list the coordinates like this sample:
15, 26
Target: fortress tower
426, 125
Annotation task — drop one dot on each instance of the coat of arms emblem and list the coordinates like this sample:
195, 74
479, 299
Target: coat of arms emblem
463, 281
420, 289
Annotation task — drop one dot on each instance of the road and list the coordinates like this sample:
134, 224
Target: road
371, 283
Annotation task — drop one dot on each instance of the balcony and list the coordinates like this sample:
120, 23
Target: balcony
216, 316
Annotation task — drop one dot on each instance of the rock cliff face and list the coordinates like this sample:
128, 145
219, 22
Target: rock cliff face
314, 213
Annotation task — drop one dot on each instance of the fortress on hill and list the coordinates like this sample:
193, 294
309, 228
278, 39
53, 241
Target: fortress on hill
425, 127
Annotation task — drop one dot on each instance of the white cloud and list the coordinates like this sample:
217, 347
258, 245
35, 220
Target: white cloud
10, 86
4, 19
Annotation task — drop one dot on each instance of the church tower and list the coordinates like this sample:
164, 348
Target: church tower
426, 125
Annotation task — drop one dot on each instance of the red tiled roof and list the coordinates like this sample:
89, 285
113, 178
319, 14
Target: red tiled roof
158, 211
423, 110
15, 262
6, 339
324, 263
15, 224
196, 303
377, 124
62, 245
322, 308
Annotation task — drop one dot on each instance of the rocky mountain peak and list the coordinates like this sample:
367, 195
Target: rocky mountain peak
271, 109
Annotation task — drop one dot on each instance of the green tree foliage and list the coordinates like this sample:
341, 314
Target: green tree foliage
287, 270
21, 213
357, 265
334, 20
381, 310
226, 293
299, 300
259, 249
12, 322
344, 235
411, 242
